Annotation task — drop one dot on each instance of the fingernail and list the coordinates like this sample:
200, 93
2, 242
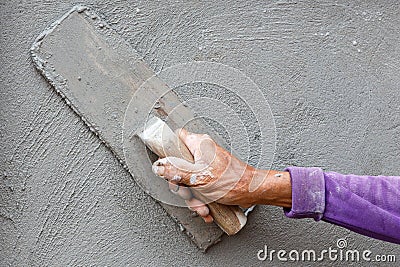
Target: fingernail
159, 170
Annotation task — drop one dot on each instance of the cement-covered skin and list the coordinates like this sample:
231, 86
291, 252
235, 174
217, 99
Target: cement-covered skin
66, 200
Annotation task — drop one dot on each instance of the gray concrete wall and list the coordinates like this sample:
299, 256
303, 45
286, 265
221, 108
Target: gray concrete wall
330, 71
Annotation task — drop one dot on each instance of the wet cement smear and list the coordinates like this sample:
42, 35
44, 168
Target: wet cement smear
193, 179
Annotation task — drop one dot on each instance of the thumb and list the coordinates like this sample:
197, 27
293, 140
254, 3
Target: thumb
176, 170
201, 146
191, 140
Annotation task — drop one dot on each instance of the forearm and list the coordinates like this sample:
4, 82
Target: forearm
274, 189
368, 205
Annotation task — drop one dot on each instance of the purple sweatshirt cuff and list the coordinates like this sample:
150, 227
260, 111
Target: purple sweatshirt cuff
308, 193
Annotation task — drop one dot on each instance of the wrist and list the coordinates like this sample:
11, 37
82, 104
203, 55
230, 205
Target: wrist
274, 188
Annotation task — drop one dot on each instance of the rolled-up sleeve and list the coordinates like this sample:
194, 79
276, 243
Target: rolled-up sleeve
369, 205
308, 193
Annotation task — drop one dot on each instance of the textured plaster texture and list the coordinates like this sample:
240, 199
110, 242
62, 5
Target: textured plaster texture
330, 71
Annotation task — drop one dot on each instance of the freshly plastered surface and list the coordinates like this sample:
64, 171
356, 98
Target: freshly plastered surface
329, 70
100, 76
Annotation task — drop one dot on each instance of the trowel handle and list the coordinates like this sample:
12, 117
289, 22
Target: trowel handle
164, 142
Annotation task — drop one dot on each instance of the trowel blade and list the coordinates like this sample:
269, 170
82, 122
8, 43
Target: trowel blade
98, 74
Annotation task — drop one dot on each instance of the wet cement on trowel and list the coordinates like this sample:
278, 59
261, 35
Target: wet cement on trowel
98, 74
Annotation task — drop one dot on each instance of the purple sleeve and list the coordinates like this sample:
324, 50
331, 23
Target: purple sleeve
369, 205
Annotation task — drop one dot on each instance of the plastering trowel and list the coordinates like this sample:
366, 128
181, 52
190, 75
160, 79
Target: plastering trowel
117, 95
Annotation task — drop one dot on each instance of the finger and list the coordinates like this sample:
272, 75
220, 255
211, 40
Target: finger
198, 206
180, 190
194, 202
202, 211
177, 170
208, 219
173, 169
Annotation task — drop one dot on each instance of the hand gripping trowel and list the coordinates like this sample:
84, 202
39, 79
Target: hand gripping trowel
118, 96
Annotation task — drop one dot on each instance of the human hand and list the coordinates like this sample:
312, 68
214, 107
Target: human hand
219, 176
